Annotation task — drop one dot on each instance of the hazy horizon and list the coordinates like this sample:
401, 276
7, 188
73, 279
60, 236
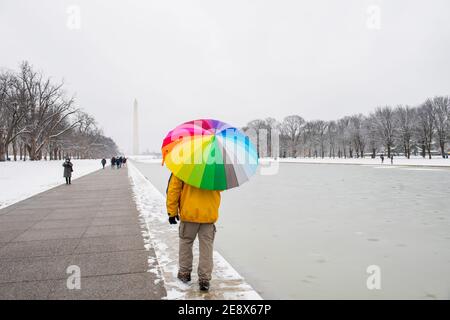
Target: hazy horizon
234, 61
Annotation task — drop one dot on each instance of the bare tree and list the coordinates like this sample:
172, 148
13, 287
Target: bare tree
406, 122
37, 118
441, 106
320, 129
426, 117
48, 110
343, 136
257, 125
272, 125
331, 137
385, 127
371, 134
291, 127
12, 112
357, 134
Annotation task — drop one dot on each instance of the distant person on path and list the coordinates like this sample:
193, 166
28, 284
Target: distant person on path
124, 161
68, 169
382, 159
119, 162
103, 163
392, 159
113, 162
198, 210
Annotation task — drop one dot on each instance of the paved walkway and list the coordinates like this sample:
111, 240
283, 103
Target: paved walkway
92, 224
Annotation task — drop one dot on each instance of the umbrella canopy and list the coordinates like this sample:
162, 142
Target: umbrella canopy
209, 154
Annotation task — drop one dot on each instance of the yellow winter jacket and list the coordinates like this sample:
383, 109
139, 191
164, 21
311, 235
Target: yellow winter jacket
191, 203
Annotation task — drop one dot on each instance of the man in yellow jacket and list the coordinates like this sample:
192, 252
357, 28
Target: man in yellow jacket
198, 210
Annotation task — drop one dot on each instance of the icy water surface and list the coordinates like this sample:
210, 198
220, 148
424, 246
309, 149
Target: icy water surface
312, 230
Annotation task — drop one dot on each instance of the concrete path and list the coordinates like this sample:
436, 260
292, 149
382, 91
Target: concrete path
92, 224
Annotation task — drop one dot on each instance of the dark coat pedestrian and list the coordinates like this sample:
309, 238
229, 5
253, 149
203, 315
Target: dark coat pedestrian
113, 162
103, 163
68, 169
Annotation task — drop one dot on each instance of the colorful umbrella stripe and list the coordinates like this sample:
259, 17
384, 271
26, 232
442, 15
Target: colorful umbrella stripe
209, 154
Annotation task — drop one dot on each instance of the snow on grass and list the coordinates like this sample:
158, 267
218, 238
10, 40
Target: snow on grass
163, 238
22, 179
398, 161
436, 161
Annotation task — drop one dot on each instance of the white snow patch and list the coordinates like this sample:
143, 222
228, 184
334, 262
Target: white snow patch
159, 234
27, 178
398, 161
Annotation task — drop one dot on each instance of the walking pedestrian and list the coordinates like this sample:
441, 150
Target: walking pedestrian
198, 210
392, 159
382, 159
103, 163
68, 169
113, 162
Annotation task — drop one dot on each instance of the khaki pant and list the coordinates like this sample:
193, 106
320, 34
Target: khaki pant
206, 233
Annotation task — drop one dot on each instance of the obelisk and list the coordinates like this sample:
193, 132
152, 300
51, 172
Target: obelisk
135, 129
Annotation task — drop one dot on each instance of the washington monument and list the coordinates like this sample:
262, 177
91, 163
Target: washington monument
135, 128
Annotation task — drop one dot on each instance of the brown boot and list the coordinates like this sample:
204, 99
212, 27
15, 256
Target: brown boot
184, 276
204, 285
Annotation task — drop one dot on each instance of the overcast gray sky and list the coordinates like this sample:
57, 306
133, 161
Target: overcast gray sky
234, 60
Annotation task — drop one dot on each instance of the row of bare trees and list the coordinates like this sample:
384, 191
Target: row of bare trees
38, 121
403, 130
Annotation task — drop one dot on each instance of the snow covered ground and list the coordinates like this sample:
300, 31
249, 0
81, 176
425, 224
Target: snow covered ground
398, 161
414, 161
158, 234
22, 179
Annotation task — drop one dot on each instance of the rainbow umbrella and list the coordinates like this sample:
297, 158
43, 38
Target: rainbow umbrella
209, 154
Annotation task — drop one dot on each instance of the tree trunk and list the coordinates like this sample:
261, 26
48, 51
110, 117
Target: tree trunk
2, 151
32, 150
14, 146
